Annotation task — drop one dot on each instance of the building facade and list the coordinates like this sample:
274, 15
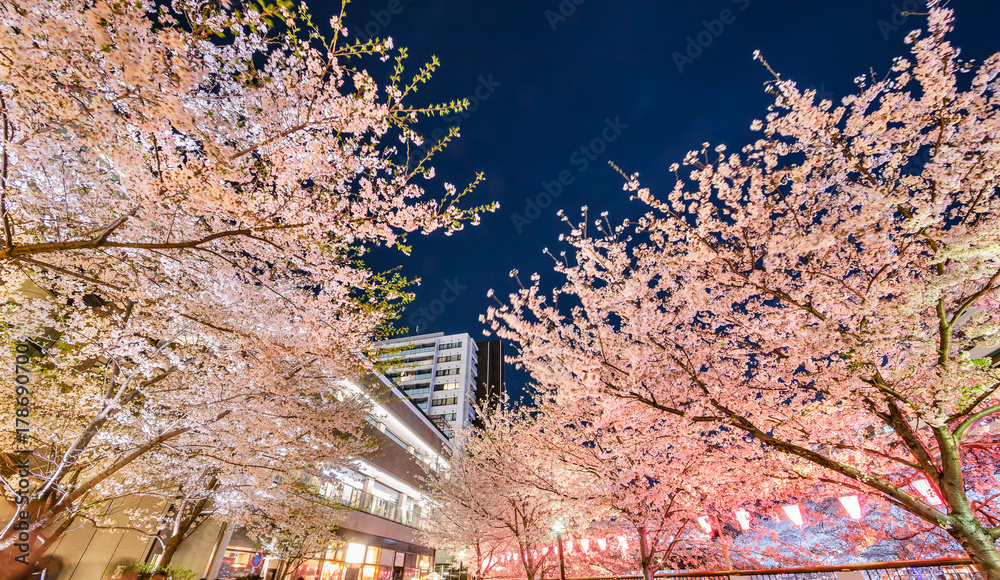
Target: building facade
379, 534
491, 384
383, 489
437, 373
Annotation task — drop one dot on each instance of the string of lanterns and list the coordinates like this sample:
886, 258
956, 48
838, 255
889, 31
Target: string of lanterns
850, 503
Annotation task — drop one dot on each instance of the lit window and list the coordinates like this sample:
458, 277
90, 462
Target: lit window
355, 553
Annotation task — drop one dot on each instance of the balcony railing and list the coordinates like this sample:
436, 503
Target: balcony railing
383, 508
407, 352
405, 378
938, 569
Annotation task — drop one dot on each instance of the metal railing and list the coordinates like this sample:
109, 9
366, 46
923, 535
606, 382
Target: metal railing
383, 508
406, 378
937, 569
407, 352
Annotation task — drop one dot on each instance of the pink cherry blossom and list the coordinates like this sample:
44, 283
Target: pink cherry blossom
818, 306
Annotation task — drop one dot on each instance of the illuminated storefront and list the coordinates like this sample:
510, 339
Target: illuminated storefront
367, 557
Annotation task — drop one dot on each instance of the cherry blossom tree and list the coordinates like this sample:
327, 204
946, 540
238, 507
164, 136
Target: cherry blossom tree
826, 298
486, 499
621, 457
186, 193
220, 419
276, 488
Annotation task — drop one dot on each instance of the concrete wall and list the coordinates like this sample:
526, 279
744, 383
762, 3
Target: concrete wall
420, 425
393, 459
86, 553
376, 526
197, 551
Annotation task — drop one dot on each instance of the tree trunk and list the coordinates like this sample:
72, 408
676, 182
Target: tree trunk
966, 526
645, 558
170, 547
529, 572
38, 543
980, 547
186, 523
34, 560
183, 530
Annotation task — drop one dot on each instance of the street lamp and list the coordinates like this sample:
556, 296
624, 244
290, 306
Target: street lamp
559, 528
461, 561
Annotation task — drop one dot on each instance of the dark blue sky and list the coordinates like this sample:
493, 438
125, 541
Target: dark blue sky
557, 76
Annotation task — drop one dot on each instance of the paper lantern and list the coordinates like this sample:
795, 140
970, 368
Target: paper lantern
744, 518
703, 522
568, 548
793, 513
852, 506
602, 544
623, 544
585, 545
927, 491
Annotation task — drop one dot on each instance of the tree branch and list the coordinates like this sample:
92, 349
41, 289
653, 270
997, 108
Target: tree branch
963, 429
8, 229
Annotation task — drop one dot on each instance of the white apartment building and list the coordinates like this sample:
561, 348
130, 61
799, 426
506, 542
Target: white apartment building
437, 372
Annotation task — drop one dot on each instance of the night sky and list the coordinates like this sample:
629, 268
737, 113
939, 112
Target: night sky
561, 88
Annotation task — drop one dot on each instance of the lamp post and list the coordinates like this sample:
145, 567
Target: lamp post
461, 561
559, 528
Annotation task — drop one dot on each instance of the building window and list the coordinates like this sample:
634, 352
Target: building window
355, 553
449, 358
450, 345
446, 372
395, 439
446, 387
420, 402
445, 401
410, 375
